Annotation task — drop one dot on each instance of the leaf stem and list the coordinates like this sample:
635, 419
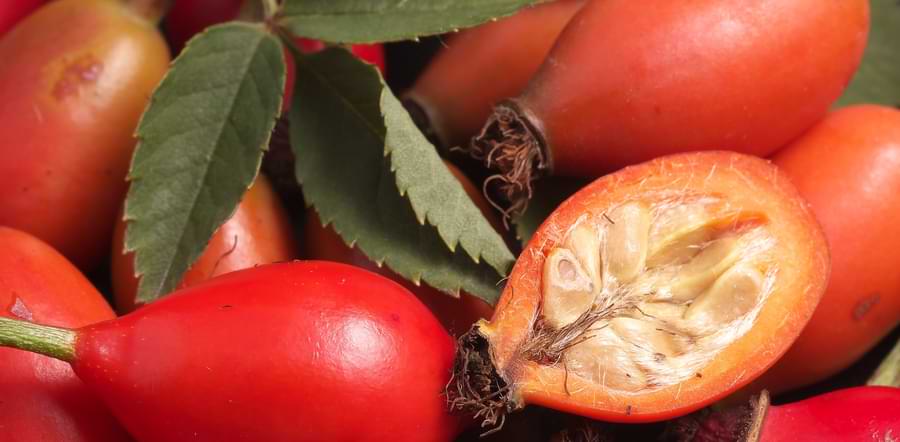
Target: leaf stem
888, 372
58, 343
151, 10
270, 8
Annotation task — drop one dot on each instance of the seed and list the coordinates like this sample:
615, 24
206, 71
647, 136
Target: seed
676, 234
645, 337
703, 269
661, 311
567, 289
584, 241
733, 295
602, 359
626, 243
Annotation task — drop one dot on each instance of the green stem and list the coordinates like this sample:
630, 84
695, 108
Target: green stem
58, 343
888, 373
270, 8
150, 10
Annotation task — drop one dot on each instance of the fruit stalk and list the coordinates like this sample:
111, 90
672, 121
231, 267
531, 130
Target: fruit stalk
58, 343
270, 7
151, 10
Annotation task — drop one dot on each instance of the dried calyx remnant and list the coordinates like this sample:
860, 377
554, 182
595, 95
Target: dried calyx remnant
740, 423
475, 387
644, 295
512, 145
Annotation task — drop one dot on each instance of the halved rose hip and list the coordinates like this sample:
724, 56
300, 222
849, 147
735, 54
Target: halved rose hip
650, 293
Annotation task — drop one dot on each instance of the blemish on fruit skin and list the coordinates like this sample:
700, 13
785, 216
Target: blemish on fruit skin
20, 310
80, 72
864, 306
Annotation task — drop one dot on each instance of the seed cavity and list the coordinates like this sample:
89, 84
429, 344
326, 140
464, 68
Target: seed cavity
645, 294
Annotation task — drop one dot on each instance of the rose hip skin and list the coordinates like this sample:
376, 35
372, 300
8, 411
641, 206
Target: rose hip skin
852, 414
42, 400
846, 167
861, 413
481, 66
259, 232
668, 77
74, 80
188, 17
730, 271
456, 314
303, 351
629, 81
11, 11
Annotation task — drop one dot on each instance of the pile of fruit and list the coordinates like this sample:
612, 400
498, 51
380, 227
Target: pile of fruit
643, 220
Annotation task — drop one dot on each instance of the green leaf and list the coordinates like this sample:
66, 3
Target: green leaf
549, 193
367, 21
369, 172
878, 78
888, 372
201, 142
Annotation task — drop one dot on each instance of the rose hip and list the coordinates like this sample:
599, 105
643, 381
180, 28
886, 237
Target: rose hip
74, 81
853, 414
628, 81
650, 293
302, 351
42, 399
259, 232
846, 167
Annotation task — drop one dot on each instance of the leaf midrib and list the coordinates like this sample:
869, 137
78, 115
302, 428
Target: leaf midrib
196, 193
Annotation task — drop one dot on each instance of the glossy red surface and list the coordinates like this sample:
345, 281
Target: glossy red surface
303, 351
11, 11
853, 414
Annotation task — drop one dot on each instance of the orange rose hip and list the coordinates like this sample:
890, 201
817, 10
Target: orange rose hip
650, 293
